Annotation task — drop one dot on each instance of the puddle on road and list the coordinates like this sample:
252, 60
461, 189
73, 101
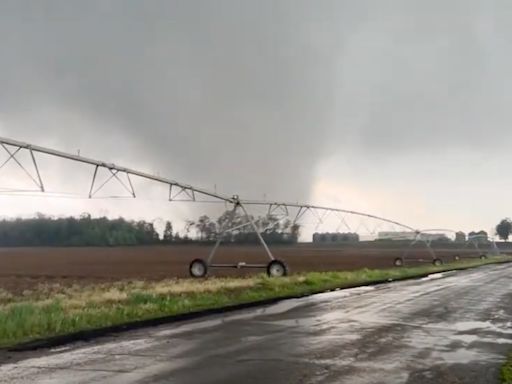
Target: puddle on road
274, 309
433, 276
465, 326
468, 339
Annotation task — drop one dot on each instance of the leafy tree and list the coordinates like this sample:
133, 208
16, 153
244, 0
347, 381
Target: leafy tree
272, 228
206, 228
168, 232
295, 231
504, 228
188, 226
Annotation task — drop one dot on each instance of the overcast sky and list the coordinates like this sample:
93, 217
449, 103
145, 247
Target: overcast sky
399, 108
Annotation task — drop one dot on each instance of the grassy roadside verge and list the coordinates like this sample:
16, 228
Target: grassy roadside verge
52, 310
506, 371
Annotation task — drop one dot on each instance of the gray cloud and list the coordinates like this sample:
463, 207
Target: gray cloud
233, 93
416, 76
254, 95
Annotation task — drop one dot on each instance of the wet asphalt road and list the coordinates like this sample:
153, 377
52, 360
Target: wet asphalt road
451, 328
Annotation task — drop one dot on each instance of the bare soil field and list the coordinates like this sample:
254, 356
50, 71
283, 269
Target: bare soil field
24, 268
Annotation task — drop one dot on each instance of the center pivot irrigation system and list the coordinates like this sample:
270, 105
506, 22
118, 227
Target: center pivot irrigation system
180, 192
472, 241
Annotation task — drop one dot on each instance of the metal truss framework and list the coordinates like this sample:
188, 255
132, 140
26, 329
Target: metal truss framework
472, 241
184, 192
12, 156
476, 240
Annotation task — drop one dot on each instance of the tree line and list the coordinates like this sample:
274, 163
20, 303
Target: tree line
235, 227
88, 231
71, 231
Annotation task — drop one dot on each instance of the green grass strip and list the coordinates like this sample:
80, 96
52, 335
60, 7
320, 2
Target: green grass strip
53, 310
506, 371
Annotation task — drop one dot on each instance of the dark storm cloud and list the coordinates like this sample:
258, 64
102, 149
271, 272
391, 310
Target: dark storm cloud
252, 95
234, 93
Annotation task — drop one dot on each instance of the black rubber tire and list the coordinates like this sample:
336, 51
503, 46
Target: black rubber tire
277, 268
483, 257
398, 262
437, 262
456, 257
198, 268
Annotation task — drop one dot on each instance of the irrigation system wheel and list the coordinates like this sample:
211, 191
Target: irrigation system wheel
277, 268
456, 257
483, 256
198, 268
437, 262
399, 262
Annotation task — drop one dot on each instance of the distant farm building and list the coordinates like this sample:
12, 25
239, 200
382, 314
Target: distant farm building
460, 237
480, 237
396, 235
410, 235
336, 237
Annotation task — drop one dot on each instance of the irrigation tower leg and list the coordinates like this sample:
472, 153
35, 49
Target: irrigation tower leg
427, 244
275, 268
431, 251
214, 249
253, 224
219, 239
496, 249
